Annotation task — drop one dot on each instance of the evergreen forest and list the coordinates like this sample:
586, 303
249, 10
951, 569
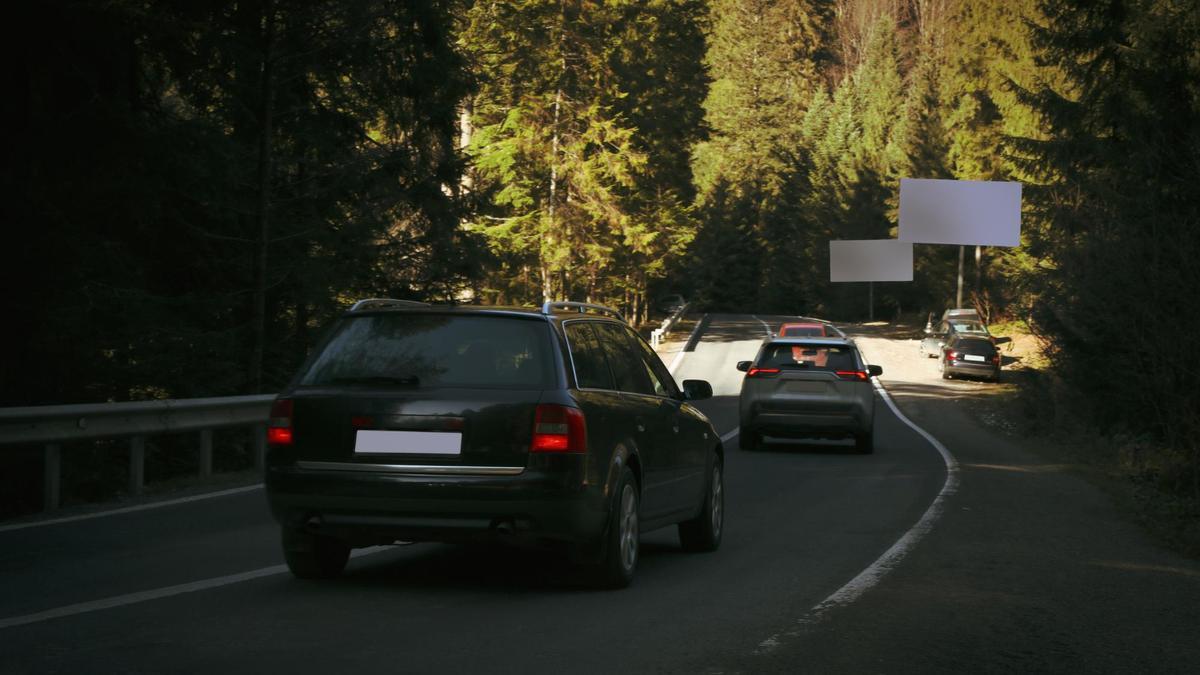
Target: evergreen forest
193, 189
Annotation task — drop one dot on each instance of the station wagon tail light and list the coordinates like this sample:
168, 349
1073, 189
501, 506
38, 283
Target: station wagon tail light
761, 372
951, 354
854, 375
558, 428
279, 425
996, 358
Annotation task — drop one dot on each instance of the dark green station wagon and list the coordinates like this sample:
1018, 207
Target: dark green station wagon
558, 428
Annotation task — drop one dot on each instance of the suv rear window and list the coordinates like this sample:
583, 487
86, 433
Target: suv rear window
812, 356
435, 350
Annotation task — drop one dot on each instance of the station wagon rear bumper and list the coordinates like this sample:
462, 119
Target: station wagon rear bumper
367, 506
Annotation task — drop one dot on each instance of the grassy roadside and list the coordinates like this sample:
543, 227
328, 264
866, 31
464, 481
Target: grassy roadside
1145, 480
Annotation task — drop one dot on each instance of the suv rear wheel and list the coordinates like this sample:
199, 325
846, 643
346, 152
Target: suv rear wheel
311, 556
621, 543
703, 533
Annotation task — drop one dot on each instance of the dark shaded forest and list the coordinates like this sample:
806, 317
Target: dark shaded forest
194, 189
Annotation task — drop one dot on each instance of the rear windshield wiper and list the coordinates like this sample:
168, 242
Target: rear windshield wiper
406, 381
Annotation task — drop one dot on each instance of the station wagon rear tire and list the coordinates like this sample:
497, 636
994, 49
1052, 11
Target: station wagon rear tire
703, 533
621, 543
864, 443
748, 440
311, 556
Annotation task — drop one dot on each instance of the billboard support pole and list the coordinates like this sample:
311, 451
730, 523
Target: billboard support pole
870, 301
958, 296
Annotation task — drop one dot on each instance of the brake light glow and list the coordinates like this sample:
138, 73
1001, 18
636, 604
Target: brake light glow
951, 354
279, 425
759, 372
558, 428
856, 375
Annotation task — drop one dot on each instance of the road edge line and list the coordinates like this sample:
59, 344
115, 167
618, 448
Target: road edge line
138, 597
876, 571
692, 339
131, 509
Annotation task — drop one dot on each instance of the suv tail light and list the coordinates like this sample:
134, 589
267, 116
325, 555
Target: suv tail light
279, 426
951, 354
558, 428
761, 372
996, 358
855, 375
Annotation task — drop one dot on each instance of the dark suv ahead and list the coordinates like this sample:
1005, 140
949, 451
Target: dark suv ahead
557, 427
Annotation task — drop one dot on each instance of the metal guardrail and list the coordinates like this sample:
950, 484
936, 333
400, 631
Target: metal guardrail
54, 425
658, 334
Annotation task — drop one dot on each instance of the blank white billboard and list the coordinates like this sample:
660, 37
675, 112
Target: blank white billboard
965, 212
871, 260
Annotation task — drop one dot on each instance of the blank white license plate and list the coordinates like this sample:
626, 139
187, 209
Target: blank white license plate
373, 442
806, 387
973, 357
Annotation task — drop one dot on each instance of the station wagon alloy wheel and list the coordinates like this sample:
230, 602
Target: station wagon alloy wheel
629, 528
718, 502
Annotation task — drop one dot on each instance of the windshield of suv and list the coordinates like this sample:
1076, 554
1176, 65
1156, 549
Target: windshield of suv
435, 350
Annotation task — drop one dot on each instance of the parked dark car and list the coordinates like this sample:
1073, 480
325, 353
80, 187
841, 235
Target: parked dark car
556, 427
807, 387
970, 355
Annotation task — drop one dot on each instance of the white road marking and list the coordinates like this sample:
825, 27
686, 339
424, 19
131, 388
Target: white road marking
679, 355
131, 509
730, 434
766, 326
159, 593
873, 574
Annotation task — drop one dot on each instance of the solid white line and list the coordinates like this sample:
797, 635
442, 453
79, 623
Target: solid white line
131, 509
891, 558
679, 355
766, 326
158, 593
730, 435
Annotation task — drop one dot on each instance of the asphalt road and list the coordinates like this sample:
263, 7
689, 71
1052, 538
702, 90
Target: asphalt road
1026, 569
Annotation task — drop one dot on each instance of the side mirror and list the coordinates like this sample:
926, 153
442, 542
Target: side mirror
743, 366
929, 330
874, 371
696, 390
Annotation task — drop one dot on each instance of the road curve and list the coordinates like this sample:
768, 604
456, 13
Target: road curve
196, 587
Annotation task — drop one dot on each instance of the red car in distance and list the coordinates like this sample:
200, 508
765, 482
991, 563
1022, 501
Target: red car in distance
806, 330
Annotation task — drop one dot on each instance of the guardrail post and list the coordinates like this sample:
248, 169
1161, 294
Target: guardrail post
137, 464
51, 476
206, 436
258, 443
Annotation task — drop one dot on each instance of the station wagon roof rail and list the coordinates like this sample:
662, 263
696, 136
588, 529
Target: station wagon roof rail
384, 303
581, 307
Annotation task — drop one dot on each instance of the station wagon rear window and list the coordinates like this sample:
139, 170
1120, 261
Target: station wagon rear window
435, 350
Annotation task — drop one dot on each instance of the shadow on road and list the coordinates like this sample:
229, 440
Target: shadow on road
495, 568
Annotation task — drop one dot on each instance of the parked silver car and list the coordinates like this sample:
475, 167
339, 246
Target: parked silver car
954, 322
807, 387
